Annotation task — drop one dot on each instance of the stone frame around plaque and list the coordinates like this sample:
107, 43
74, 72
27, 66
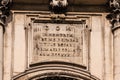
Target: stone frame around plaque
43, 18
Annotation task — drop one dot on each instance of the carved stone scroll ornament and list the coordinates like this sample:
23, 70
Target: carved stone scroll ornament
58, 8
6, 14
114, 16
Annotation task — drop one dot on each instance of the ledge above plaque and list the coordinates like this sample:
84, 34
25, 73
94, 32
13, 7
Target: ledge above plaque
66, 41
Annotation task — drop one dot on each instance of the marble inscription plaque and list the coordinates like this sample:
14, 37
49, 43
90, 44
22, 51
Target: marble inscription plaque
62, 42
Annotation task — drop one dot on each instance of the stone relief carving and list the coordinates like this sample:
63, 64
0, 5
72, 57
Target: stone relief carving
114, 16
58, 8
6, 14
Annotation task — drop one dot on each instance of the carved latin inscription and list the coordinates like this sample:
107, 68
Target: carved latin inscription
60, 42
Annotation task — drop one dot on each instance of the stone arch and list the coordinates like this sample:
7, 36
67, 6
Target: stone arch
55, 70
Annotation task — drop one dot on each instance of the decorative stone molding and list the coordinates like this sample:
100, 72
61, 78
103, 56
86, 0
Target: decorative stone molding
62, 32
114, 16
5, 15
57, 17
55, 69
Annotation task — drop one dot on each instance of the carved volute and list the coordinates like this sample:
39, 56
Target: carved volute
5, 16
114, 16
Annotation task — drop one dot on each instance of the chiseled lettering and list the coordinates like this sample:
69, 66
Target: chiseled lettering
61, 43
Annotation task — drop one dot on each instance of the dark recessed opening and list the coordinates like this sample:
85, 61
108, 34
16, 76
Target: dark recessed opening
57, 78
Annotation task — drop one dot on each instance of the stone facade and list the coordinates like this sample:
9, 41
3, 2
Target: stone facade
40, 45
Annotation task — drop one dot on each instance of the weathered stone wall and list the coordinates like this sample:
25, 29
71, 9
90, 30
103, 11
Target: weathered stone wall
100, 58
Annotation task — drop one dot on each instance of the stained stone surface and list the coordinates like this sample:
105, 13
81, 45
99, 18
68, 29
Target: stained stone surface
100, 54
58, 42
1, 52
117, 53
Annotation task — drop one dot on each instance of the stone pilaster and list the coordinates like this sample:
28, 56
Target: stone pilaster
4, 19
114, 18
1, 51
